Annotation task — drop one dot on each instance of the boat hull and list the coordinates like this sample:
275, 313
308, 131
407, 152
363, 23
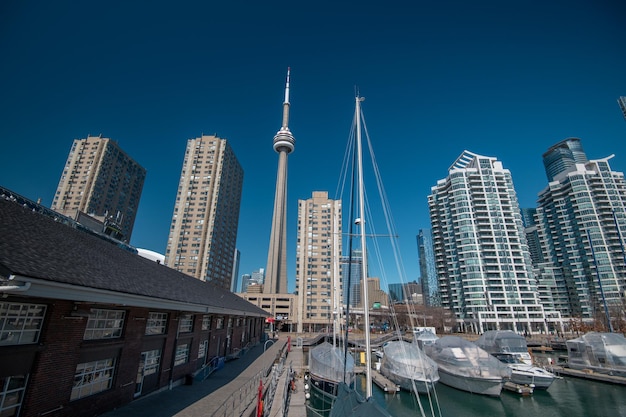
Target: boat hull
533, 375
476, 385
406, 383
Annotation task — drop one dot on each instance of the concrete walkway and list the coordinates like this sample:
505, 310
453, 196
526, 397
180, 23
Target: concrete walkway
208, 397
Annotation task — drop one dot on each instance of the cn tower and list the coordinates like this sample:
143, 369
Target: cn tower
276, 272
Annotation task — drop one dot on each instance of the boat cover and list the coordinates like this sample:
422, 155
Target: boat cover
464, 358
350, 403
505, 342
425, 337
409, 361
327, 361
601, 350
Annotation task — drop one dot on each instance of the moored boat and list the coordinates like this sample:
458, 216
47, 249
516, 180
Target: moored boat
465, 366
511, 349
598, 352
408, 366
326, 370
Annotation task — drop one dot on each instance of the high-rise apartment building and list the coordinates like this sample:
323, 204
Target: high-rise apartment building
482, 258
430, 284
203, 232
581, 220
318, 277
99, 179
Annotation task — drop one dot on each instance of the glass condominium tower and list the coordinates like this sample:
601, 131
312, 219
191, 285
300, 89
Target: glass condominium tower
481, 255
581, 220
428, 272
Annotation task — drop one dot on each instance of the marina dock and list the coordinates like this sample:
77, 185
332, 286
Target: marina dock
587, 374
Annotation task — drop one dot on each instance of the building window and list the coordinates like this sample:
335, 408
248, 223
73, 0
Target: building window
157, 323
12, 390
20, 324
104, 324
185, 323
93, 377
206, 322
151, 362
219, 324
182, 354
203, 348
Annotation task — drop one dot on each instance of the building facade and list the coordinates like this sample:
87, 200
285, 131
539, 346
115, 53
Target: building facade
581, 221
87, 327
100, 180
203, 232
430, 284
482, 258
318, 252
352, 276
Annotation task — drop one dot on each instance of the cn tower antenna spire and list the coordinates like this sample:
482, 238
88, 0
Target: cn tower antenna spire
285, 125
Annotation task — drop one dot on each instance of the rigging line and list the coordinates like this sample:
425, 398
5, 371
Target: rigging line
395, 247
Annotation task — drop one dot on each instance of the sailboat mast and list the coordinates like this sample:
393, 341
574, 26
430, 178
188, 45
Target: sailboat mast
366, 321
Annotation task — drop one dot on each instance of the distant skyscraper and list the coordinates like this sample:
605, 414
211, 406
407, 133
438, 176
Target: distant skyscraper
396, 293
276, 275
430, 284
482, 258
259, 276
563, 157
582, 214
246, 279
204, 225
622, 105
318, 278
234, 282
101, 180
352, 275
532, 235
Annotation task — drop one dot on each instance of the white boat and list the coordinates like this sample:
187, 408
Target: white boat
406, 365
328, 366
511, 349
598, 352
465, 366
424, 338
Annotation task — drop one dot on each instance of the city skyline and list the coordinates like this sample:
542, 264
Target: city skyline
506, 81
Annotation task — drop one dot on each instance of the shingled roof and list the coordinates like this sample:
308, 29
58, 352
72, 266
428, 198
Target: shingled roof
45, 253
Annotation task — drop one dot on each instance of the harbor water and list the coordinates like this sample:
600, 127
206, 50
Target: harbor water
567, 397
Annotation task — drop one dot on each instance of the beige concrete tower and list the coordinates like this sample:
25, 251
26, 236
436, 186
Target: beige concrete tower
318, 277
203, 232
101, 180
276, 272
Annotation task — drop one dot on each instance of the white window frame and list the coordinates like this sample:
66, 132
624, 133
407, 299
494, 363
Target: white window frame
12, 395
157, 323
185, 323
21, 323
93, 377
182, 354
104, 324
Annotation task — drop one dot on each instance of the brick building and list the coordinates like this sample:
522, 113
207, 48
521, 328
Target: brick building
86, 326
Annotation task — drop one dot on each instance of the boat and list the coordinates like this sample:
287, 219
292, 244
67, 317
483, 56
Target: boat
511, 349
328, 366
406, 365
465, 366
424, 338
598, 352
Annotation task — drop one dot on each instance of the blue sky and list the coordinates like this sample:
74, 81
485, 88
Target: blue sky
499, 78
